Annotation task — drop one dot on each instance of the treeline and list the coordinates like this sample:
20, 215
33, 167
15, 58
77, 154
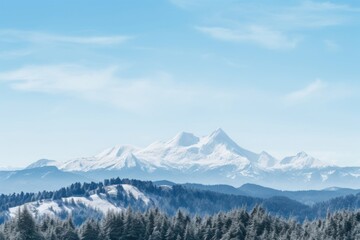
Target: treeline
153, 224
170, 200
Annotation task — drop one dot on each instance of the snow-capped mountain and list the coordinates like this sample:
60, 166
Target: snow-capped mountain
210, 159
183, 152
187, 151
43, 163
301, 161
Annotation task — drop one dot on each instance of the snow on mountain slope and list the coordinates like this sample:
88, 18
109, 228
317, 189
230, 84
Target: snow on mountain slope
186, 152
55, 207
184, 139
40, 208
120, 156
117, 157
266, 161
115, 152
210, 159
98, 202
134, 192
43, 163
301, 161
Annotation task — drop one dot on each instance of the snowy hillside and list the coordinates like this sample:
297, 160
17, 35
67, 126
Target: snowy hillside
98, 202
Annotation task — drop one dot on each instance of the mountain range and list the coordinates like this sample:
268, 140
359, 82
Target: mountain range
186, 152
212, 159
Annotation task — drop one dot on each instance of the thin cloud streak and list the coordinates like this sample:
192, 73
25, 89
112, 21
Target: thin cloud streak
105, 85
16, 53
40, 37
327, 6
259, 35
312, 15
310, 90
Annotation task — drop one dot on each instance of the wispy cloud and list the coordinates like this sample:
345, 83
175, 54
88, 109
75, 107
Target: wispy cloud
309, 91
41, 37
259, 35
107, 86
15, 53
273, 26
327, 6
311, 14
332, 45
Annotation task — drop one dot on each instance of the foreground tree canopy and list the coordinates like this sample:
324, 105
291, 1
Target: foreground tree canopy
153, 224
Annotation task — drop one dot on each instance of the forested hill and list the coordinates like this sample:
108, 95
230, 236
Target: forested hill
96, 199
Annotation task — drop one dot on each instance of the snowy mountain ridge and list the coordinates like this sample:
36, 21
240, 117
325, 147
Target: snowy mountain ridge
185, 151
211, 159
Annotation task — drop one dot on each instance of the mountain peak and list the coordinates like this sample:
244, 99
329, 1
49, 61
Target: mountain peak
219, 135
302, 154
42, 163
301, 160
184, 139
266, 160
218, 132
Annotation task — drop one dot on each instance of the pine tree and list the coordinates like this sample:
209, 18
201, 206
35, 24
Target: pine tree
155, 235
90, 231
170, 235
189, 233
26, 226
113, 226
150, 224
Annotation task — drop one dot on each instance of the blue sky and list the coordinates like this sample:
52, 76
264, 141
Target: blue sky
80, 76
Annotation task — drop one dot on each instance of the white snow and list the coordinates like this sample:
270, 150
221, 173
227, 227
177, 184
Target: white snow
189, 153
43, 163
133, 191
95, 201
111, 190
301, 161
266, 160
325, 175
39, 208
357, 175
52, 207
